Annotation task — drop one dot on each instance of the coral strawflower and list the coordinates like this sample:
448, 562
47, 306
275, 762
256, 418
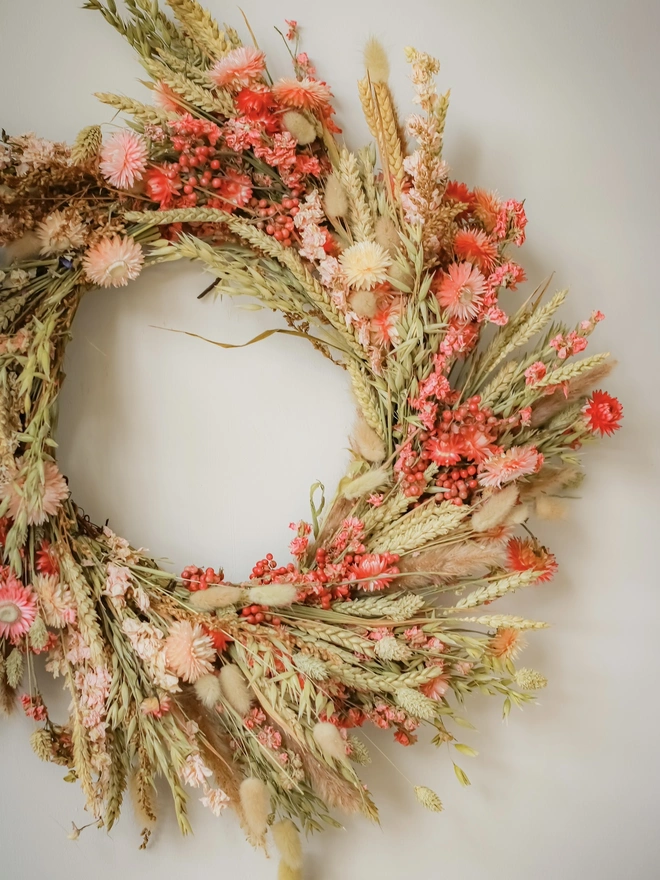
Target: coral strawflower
304, 94
461, 290
475, 246
525, 554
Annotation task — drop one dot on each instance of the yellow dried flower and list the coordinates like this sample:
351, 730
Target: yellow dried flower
365, 264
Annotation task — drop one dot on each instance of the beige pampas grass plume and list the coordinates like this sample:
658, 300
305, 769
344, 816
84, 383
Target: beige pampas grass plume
255, 803
387, 236
209, 690
274, 595
216, 597
495, 509
520, 514
235, 688
364, 303
329, 740
367, 443
366, 484
335, 200
287, 841
287, 872
550, 507
299, 126
376, 62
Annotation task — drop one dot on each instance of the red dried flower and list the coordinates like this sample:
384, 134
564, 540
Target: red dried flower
603, 413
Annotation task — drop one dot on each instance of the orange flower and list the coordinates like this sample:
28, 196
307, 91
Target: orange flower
304, 94
475, 246
506, 643
525, 555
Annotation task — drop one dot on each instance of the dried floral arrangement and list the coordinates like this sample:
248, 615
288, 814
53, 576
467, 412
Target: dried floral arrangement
253, 694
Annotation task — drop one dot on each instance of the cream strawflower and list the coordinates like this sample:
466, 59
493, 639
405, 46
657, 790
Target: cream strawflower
365, 264
189, 651
59, 233
124, 158
113, 262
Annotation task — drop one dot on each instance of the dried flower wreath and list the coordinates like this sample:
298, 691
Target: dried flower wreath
252, 693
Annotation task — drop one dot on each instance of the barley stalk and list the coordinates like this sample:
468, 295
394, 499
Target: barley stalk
390, 128
143, 112
496, 621
201, 27
366, 397
496, 589
381, 681
86, 145
378, 518
87, 619
419, 527
570, 371
361, 222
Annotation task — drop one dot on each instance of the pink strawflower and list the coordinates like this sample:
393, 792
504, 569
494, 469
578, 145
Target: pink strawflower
304, 94
113, 262
238, 68
436, 688
18, 608
46, 500
506, 466
124, 158
461, 290
535, 373
373, 570
189, 651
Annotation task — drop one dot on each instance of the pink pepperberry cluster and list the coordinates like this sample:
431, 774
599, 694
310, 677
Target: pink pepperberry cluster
460, 484
195, 578
276, 219
259, 614
267, 569
413, 481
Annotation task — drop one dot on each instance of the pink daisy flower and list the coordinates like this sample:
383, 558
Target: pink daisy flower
124, 159
510, 465
189, 651
238, 68
461, 291
304, 94
18, 608
375, 571
113, 262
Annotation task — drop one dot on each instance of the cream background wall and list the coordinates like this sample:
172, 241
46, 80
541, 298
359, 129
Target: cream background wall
205, 455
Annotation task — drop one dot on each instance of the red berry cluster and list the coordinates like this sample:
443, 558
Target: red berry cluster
276, 219
413, 482
267, 569
326, 594
259, 614
199, 166
195, 578
460, 483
